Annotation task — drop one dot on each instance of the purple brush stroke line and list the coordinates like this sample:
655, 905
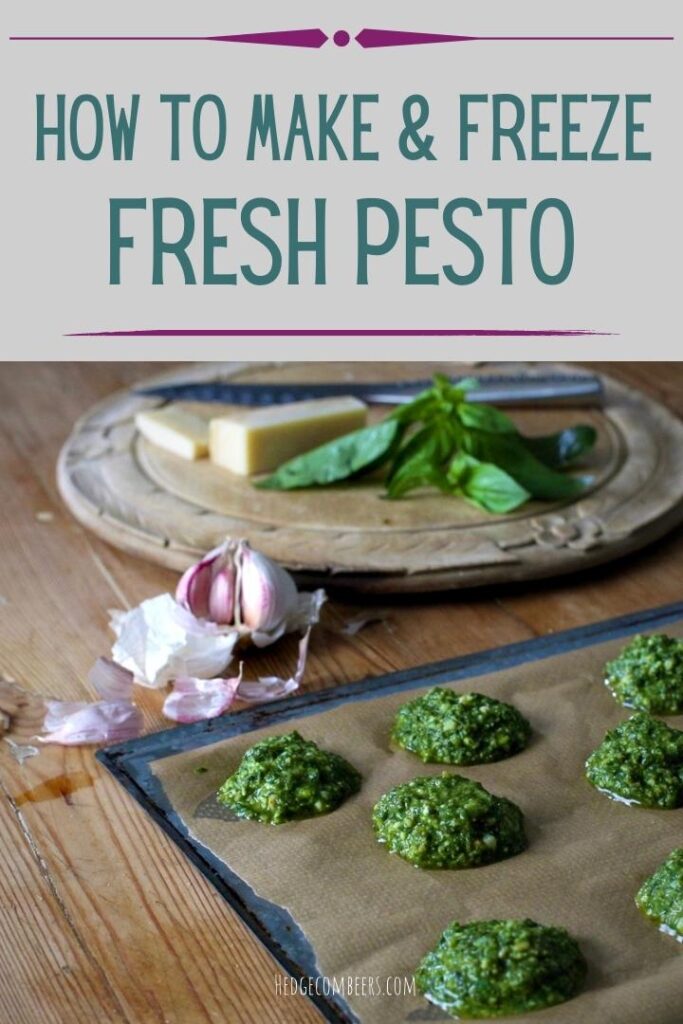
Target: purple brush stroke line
312, 38
337, 333
370, 38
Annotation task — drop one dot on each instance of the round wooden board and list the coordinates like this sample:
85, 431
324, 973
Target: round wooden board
163, 508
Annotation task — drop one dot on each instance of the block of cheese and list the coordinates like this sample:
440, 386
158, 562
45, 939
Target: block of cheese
176, 430
260, 440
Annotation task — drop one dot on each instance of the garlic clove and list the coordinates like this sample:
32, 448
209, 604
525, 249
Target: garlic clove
221, 601
194, 588
268, 593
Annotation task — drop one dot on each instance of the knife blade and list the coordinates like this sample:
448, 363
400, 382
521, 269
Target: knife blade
523, 389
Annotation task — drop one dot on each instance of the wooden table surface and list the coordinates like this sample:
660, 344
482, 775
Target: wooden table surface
101, 917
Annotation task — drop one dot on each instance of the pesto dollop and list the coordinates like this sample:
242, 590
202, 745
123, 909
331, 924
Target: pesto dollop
460, 728
497, 968
283, 778
447, 821
661, 895
648, 675
640, 762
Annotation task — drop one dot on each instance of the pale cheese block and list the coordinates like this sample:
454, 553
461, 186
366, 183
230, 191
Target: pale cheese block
260, 440
176, 430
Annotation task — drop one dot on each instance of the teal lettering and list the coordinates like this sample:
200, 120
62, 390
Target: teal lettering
249, 208
506, 207
222, 127
511, 132
175, 99
468, 127
612, 104
361, 127
212, 241
117, 241
366, 248
162, 247
297, 246
95, 106
535, 238
415, 241
42, 129
327, 122
463, 236
122, 126
263, 127
633, 127
298, 129
570, 127
539, 127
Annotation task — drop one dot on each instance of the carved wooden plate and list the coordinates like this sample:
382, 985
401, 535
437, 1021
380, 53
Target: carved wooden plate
153, 504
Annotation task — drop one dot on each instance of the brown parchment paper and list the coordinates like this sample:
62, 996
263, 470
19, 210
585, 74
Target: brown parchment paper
369, 914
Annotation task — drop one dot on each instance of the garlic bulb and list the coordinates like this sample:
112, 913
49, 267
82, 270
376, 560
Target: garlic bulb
236, 586
232, 596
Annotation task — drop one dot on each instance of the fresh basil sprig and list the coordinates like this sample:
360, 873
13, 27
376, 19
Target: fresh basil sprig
442, 440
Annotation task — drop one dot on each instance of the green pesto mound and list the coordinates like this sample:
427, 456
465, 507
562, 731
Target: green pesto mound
447, 821
661, 896
460, 728
640, 762
648, 675
497, 968
284, 778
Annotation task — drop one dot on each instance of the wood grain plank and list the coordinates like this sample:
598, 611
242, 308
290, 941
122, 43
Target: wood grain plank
42, 955
113, 869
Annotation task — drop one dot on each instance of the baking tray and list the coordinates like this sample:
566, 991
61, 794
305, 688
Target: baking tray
273, 925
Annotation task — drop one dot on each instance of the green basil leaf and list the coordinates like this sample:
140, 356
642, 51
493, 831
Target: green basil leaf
509, 453
421, 473
419, 463
460, 467
468, 384
485, 417
421, 407
486, 485
345, 457
494, 489
434, 441
557, 450
445, 385
441, 399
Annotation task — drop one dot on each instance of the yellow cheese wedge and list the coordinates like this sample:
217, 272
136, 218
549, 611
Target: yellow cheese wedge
176, 430
260, 440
